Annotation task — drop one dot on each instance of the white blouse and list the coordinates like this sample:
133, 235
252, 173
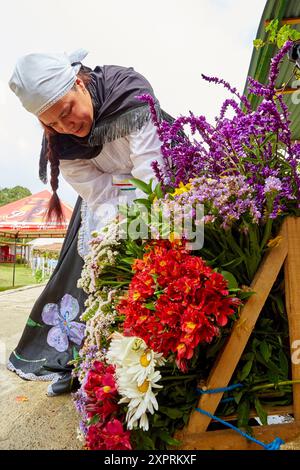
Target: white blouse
129, 156
96, 180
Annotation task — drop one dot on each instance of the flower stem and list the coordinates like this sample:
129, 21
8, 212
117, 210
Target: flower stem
271, 385
178, 377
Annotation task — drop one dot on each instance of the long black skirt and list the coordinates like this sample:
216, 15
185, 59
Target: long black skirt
53, 333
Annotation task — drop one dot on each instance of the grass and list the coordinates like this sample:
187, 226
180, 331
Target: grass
23, 276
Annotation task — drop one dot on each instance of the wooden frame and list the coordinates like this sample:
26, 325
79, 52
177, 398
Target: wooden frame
287, 91
287, 253
295, 20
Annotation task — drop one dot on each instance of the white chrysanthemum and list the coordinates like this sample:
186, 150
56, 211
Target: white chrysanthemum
144, 365
123, 349
133, 354
140, 398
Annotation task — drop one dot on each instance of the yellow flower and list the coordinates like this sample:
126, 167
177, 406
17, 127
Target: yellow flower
182, 189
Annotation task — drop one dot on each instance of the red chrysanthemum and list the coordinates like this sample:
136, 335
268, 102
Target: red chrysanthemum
175, 301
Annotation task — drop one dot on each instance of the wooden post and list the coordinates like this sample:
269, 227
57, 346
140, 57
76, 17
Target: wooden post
295, 20
292, 293
15, 256
231, 353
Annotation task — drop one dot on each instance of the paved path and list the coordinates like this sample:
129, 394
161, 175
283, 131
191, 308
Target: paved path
41, 422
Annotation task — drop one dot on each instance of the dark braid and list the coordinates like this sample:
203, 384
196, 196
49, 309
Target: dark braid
54, 206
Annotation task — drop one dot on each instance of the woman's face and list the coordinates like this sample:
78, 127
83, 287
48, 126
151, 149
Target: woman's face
72, 114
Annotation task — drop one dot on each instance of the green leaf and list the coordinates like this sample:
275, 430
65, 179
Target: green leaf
144, 202
158, 191
246, 295
140, 185
235, 262
172, 413
33, 324
249, 356
243, 413
214, 348
94, 420
272, 26
150, 185
165, 436
128, 260
232, 282
283, 362
150, 306
142, 441
262, 414
237, 396
266, 350
258, 43
286, 33
75, 353
245, 370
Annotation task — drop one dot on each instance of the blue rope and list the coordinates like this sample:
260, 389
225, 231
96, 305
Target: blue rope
274, 445
200, 391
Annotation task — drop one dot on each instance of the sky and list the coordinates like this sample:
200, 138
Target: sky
170, 42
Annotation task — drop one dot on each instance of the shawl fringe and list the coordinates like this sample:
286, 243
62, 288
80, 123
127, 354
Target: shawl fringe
130, 121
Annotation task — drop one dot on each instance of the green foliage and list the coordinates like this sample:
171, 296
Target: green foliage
277, 35
8, 195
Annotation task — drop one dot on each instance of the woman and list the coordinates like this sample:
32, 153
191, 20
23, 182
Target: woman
98, 134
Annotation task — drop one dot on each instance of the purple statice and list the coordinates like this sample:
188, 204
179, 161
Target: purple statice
226, 200
87, 356
272, 184
80, 401
256, 144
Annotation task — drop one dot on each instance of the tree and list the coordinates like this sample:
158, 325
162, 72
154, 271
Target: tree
8, 195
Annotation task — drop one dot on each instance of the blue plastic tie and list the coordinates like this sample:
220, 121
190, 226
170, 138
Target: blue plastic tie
274, 445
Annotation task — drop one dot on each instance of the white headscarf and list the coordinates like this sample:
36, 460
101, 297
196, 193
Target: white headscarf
40, 80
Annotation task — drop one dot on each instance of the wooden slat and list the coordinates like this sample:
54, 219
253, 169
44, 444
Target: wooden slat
295, 20
231, 440
287, 91
230, 356
292, 292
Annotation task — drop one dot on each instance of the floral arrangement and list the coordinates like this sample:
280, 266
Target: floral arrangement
158, 312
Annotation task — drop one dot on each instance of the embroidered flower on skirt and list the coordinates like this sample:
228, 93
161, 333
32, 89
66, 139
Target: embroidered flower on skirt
60, 317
